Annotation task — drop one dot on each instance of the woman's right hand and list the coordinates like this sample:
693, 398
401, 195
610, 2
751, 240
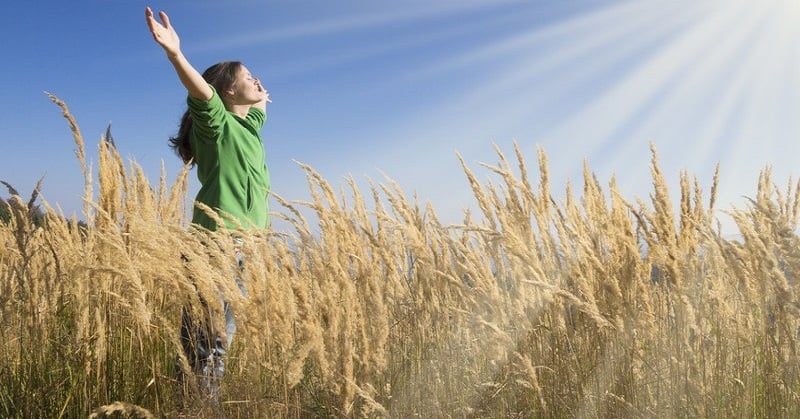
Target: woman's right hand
165, 34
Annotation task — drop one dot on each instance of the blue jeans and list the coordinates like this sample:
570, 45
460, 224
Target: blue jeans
204, 347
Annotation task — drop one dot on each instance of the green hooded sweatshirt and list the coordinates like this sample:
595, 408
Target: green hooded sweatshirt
230, 161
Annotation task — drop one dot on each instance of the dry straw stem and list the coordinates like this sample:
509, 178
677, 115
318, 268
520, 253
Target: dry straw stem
80, 151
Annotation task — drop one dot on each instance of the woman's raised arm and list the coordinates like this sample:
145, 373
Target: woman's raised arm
166, 36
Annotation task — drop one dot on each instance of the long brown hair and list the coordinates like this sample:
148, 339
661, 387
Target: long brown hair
221, 75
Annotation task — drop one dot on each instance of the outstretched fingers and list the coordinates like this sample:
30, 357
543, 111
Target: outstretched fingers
148, 14
164, 18
153, 23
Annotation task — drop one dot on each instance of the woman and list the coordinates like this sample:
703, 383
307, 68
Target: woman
220, 134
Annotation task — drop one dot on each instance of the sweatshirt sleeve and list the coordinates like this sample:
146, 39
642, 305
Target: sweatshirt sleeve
207, 116
256, 117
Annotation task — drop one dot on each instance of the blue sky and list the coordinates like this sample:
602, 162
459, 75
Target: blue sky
367, 89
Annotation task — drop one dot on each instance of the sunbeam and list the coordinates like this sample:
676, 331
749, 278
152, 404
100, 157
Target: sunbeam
701, 80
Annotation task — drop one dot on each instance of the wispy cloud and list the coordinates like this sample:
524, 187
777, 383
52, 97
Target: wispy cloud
399, 13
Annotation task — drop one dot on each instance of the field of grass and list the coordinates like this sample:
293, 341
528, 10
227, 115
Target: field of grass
593, 306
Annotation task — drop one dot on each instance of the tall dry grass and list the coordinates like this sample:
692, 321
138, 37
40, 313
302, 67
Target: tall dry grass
591, 306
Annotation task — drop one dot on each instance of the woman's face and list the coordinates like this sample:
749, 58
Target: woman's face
246, 89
